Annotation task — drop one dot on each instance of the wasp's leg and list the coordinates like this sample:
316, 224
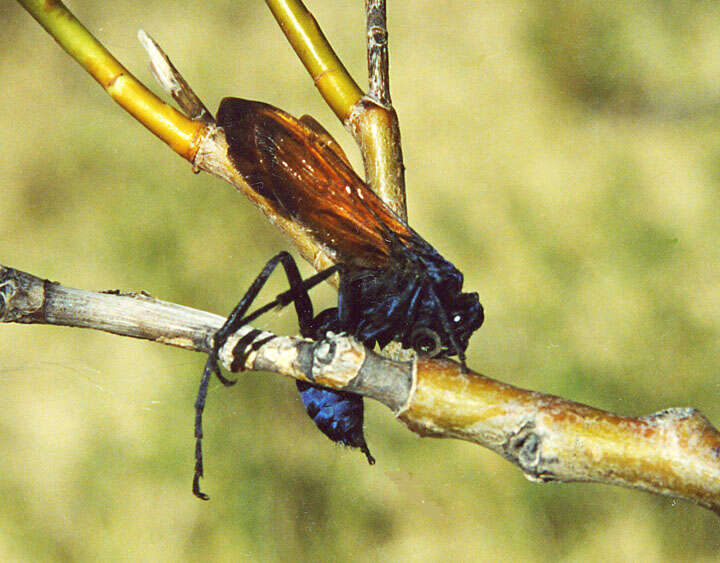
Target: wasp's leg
298, 294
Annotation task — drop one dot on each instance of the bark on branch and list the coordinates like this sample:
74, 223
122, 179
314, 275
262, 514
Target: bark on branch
674, 452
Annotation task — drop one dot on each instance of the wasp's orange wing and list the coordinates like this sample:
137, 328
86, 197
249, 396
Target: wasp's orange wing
305, 175
324, 137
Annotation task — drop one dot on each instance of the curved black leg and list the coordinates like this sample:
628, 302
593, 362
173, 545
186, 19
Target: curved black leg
297, 294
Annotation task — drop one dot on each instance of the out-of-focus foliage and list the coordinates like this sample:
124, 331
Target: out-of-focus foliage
565, 156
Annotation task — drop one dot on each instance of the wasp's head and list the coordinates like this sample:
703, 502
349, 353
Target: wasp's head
465, 317
447, 325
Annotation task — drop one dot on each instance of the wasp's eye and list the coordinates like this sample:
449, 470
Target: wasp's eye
426, 341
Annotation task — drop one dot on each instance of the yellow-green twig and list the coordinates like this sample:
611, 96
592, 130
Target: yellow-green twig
330, 76
179, 132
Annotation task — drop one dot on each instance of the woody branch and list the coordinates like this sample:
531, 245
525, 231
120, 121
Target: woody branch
675, 452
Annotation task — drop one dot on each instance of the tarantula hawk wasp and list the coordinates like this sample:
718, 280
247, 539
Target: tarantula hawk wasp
394, 286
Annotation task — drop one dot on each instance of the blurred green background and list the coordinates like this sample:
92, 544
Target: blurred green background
565, 156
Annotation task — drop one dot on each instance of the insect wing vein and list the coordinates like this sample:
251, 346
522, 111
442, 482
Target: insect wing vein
307, 179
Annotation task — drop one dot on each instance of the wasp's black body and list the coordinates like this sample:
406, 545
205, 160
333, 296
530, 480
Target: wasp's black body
394, 286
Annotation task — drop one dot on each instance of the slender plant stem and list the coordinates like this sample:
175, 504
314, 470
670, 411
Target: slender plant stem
179, 132
377, 52
331, 77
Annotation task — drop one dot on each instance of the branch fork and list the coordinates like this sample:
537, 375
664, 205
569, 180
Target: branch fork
674, 452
